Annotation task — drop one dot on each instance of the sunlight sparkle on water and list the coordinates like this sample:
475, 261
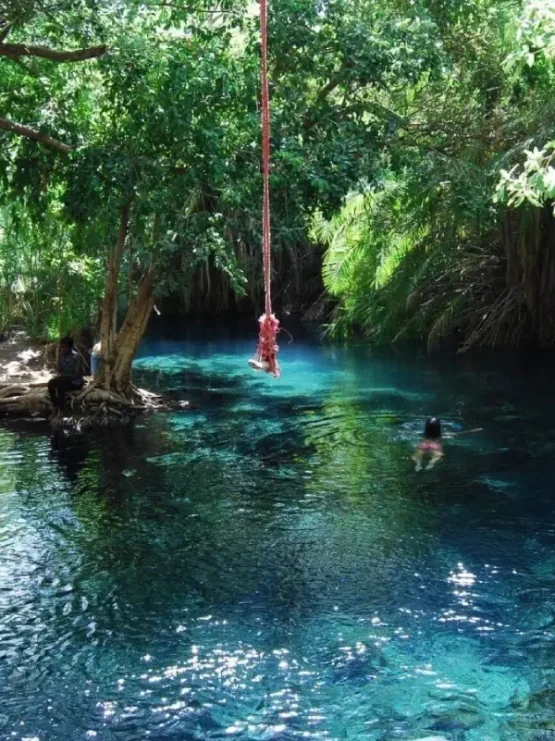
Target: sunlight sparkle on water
275, 568
462, 577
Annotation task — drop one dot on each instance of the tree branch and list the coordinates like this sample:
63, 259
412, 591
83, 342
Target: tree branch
25, 50
29, 133
310, 119
192, 9
5, 31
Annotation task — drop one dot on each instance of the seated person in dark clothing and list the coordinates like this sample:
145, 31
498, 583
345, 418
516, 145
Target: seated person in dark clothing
70, 374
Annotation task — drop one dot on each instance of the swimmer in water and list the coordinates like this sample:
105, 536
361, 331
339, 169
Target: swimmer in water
431, 444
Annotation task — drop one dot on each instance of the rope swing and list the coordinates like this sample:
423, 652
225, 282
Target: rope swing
265, 359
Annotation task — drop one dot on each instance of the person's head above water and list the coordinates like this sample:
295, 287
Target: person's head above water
432, 429
65, 344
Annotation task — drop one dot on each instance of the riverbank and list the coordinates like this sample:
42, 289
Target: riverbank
25, 369
23, 361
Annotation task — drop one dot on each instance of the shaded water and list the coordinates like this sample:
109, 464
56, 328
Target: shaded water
268, 565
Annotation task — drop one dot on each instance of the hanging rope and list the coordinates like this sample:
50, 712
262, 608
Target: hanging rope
269, 325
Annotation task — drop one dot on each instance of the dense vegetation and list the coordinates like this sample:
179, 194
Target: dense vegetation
412, 157
454, 234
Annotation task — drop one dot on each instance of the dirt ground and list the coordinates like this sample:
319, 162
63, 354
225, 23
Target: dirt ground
22, 360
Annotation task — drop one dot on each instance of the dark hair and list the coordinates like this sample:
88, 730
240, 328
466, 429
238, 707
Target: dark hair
432, 429
66, 342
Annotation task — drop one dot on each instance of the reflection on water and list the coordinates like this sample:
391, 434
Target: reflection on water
268, 565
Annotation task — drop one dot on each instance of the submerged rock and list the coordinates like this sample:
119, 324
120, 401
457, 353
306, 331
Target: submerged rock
543, 702
358, 662
452, 696
207, 722
411, 737
538, 703
528, 728
536, 594
448, 719
533, 716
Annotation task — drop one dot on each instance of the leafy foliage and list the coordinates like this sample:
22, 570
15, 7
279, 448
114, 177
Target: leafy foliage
435, 249
413, 141
45, 285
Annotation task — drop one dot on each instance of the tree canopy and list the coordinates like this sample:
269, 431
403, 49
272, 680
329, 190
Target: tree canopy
412, 156
454, 238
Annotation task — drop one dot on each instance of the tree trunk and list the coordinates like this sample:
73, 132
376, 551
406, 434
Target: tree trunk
111, 396
130, 335
109, 302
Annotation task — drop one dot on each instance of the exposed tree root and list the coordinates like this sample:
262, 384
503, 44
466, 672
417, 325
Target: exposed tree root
92, 406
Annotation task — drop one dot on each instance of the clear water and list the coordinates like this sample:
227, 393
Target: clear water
268, 566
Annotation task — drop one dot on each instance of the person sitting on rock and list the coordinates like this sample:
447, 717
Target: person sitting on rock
70, 374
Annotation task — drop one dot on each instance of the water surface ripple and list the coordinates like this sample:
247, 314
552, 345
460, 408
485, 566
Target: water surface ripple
267, 566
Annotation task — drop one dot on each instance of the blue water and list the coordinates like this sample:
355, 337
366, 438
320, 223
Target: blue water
267, 566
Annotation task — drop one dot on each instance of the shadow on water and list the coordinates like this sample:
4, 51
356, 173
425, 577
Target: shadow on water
69, 452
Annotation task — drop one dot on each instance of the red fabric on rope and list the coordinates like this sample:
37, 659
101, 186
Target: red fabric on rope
269, 325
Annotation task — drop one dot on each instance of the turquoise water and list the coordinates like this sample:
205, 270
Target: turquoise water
267, 566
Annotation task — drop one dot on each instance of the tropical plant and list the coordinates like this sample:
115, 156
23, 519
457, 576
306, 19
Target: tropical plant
436, 247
